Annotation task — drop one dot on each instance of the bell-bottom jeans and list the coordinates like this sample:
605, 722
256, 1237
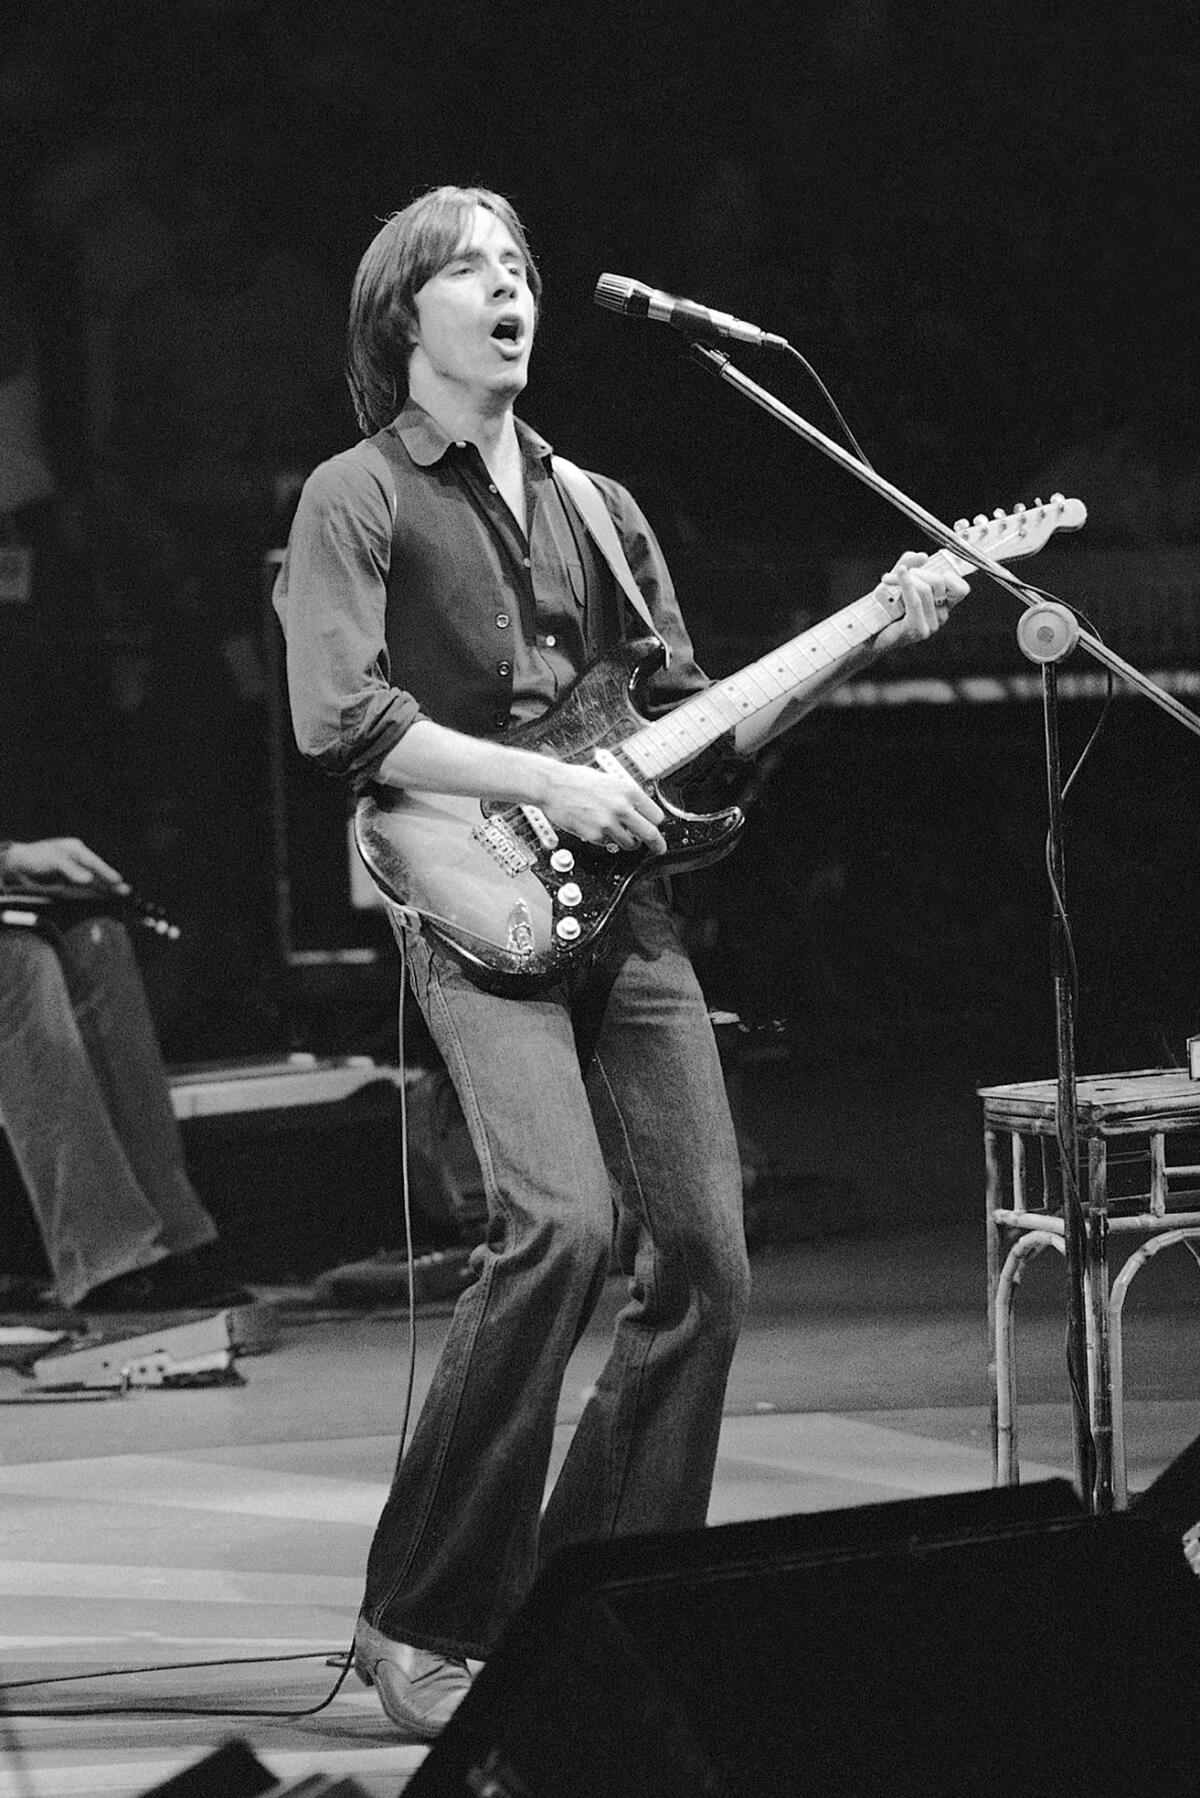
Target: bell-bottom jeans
599, 1115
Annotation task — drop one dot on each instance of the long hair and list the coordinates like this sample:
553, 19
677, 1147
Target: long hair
411, 247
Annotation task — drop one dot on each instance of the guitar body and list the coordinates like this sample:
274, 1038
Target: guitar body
488, 888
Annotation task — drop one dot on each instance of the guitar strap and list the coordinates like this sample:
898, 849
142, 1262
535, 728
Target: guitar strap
596, 516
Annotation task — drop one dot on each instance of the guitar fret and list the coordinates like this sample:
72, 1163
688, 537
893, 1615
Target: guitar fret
639, 755
721, 702
668, 743
837, 635
759, 689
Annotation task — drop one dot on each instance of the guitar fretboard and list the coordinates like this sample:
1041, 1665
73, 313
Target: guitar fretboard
673, 741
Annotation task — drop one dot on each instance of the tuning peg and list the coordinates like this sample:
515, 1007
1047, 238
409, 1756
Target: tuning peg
961, 527
999, 512
1056, 499
980, 518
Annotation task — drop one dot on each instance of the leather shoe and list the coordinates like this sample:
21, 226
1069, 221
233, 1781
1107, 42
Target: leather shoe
419, 1690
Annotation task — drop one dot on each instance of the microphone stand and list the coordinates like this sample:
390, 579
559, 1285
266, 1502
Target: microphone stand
1046, 634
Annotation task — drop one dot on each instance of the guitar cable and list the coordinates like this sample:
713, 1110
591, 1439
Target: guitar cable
342, 1658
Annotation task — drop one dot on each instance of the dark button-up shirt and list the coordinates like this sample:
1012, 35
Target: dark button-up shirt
408, 590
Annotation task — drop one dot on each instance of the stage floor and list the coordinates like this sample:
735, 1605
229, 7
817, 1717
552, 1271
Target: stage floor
199, 1526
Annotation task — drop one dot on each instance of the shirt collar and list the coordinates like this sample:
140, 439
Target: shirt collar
427, 443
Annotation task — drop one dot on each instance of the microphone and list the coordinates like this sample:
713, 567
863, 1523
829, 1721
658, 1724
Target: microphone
619, 294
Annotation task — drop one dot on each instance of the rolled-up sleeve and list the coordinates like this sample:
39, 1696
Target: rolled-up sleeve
331, 599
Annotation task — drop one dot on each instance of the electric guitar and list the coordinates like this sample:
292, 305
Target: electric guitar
517, 903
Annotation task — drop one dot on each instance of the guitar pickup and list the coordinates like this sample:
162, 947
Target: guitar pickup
607, 762
541, 826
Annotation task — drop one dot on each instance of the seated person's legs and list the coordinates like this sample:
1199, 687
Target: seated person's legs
108, 1212
111, 1010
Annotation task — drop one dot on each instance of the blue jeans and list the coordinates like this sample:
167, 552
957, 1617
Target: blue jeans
607, 1094
85, 1103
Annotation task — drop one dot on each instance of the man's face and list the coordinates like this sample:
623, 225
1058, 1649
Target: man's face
475, 317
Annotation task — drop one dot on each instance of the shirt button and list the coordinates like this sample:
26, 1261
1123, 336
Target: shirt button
526, 561
492, 487
503, 667
502, 621
549, 642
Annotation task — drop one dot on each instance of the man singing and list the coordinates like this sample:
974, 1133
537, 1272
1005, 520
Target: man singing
440, 585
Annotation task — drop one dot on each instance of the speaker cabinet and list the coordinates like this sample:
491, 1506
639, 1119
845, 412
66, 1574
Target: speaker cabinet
999, 1642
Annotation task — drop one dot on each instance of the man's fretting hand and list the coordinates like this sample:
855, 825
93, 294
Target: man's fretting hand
929, 592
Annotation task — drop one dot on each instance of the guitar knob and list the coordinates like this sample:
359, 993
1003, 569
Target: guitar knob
568, 930
569, 893
562, 861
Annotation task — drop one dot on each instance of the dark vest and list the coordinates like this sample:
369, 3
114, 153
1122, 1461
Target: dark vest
455, 657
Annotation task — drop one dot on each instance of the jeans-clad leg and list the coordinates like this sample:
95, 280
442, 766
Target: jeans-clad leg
458, 1543
99, 1212
643, 1453
110, 1005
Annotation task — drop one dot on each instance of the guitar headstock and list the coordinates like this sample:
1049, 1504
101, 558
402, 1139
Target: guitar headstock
1023, 531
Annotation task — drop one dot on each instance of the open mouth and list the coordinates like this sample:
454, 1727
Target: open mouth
507, 330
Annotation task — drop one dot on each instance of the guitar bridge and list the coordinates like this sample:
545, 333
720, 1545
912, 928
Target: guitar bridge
502, 843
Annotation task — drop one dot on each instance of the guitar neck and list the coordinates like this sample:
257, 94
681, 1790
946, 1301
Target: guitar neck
671, 742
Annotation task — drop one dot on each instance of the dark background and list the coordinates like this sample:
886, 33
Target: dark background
979, 225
